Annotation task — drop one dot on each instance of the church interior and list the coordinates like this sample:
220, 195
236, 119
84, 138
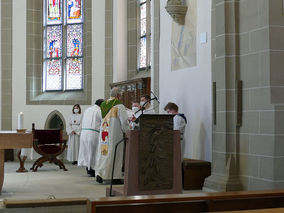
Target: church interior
219, 61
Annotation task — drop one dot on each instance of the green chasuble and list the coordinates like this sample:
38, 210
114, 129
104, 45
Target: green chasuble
107, 105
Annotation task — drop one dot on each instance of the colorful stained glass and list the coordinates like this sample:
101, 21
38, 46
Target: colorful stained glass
142, 58
74, 11
53, 65
54, 11
74, 40
74, 73
53, 79
53, 41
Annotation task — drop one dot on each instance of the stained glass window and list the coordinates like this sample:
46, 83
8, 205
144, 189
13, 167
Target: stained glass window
143, 23
53, 75
62, 74
54, 11
142, 53
74, 67
74, 11
54, 41
74, 40
144, 34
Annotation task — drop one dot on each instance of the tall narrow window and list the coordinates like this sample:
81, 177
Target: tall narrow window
63, 45
144, 34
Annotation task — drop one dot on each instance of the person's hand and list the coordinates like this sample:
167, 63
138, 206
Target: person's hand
73, 133
133, 118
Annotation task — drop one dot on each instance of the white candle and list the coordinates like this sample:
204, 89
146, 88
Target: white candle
20, 120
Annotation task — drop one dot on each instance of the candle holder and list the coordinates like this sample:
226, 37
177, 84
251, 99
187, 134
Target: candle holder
21, 130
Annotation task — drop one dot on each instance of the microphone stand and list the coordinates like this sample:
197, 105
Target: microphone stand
123, 140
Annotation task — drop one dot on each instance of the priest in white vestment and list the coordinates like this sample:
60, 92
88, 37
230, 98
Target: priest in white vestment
73, 130
114, 125
90, 137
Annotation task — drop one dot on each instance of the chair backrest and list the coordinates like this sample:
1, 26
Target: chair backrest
47, 136
50, 136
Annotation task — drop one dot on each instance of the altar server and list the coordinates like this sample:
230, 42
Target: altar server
73, 129
146, 104
89, 137
114, 124
135, 111
180, 122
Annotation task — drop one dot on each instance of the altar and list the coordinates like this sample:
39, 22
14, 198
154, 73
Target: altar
12, 140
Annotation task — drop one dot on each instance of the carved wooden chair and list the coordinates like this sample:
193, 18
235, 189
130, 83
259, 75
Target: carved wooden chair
49, 144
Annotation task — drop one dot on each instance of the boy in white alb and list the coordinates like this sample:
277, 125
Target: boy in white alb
180, 122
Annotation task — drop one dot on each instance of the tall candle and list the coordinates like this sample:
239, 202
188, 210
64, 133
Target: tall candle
20, 120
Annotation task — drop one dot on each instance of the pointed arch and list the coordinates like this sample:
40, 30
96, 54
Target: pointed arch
55, 120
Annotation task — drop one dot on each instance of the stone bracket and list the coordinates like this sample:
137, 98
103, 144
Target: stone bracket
177, 11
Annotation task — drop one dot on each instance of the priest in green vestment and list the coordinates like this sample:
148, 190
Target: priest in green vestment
114, 124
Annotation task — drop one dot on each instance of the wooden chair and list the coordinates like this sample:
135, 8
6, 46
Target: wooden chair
49, 144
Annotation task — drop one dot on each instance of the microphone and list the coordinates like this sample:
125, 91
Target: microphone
155, 97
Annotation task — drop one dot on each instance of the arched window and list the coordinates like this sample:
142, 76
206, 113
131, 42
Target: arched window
63, 45
144, 34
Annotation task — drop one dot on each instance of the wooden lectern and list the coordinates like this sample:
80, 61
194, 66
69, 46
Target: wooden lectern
152, 158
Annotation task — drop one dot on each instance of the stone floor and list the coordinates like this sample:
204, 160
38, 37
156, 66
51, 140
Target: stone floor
50, 182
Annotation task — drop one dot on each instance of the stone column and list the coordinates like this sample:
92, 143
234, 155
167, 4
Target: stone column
6, 69
132, 39
225, 75
108, 46
6, 58
248, 45
156, 50
276, 77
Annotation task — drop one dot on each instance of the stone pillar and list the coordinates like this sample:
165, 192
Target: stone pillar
132, 39
276, 42
155, 57
247, 45
225, 74
6, 68
108, 46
